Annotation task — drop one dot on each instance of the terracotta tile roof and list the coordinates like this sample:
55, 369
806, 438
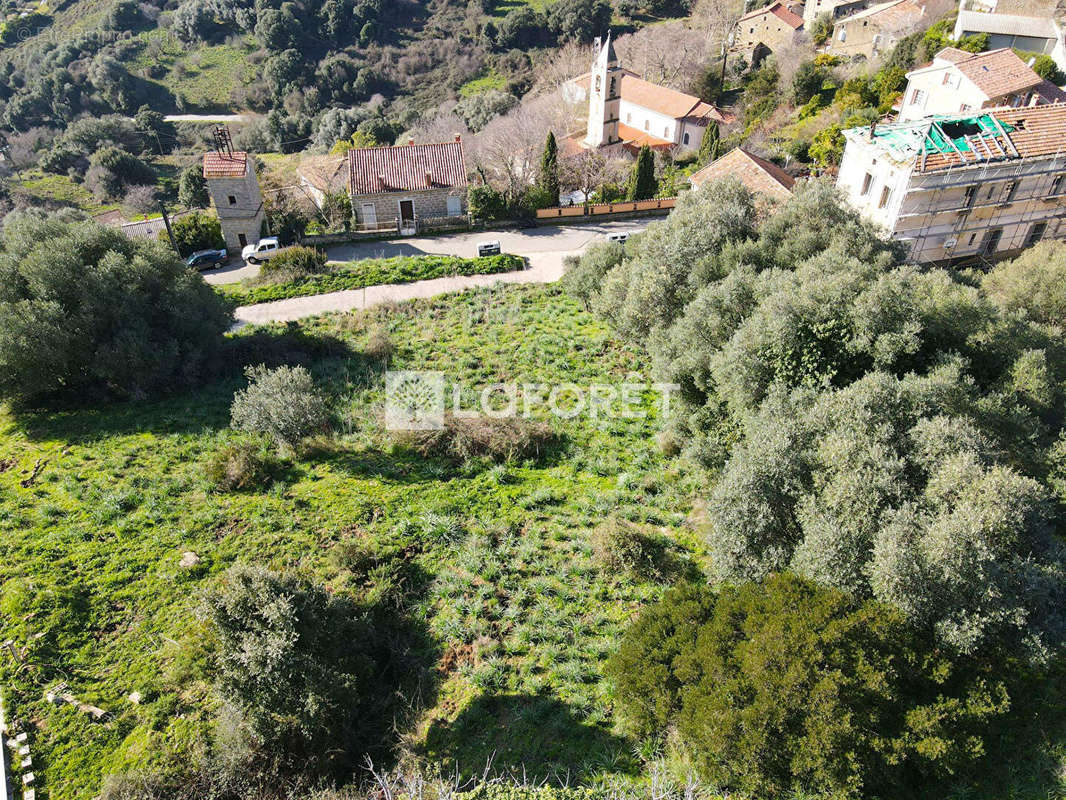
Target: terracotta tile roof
998, 73
405, 168
669, 102
952, 54
758, 174
1050, 93
1037, 131
634, 138
779, 10
224, 165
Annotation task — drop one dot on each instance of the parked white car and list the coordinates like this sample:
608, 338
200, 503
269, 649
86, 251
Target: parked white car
262, 250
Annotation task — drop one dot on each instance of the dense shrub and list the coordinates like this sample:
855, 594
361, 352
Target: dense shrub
282, 403
241, 466
293, 263
85, 311
495, 439
304, 675
192, 188
1033, 284
196, 231
112, 172
783, 687
622, 546
584, 274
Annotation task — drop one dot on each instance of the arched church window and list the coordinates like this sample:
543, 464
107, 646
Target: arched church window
612, 87
597, 83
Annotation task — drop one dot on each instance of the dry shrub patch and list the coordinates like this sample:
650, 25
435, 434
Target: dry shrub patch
498, 440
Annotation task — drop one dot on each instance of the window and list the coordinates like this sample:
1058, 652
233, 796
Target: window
232, 200
629, 117
866, 183
455, 206
684, 139
947, 79
1036, 233
242, 239
666, 133
885, 194
990, 243
918, 97
1012, 188
843, 35
597, 83
647, 123
973, 236
612, 86
965, 107
968, 197
1056, 185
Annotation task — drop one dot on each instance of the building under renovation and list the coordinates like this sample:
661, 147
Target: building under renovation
982, 185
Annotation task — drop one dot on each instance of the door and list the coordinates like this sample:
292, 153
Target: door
370, 214
407, 212
455, 206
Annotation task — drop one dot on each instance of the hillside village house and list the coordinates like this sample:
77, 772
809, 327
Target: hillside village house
627, 112
1031, 34
407, 187
962, 186
766, 30
813, 9
234, 189
763, 178
958, 81
876, 29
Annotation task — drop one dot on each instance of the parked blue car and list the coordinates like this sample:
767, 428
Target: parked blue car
206, 259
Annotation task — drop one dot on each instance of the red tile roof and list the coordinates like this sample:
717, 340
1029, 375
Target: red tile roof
758, 174
1038, 131
794, 21
666, 101
998, 72
405, 168
634, 138
225, 165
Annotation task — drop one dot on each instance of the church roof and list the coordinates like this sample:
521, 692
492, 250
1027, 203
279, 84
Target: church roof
666, 101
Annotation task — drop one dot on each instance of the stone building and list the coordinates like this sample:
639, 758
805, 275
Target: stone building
877, 29
763, 178
234, 190
408, 187
960, 82
766, 30
983, 185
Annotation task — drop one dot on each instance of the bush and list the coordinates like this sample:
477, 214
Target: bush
193, 232
292, 264
85, 311
585, 273
192, 188
1045, 66
282, 403
305, 676
112, 172
621, 546
498, 440
242, 466
485, 203
1033, 284
783, 687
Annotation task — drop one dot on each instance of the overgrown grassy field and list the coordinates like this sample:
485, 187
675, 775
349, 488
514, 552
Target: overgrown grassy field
496, 560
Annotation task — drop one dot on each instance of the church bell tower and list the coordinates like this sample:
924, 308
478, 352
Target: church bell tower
605, 96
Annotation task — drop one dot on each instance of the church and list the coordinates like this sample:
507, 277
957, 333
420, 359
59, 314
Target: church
626, 111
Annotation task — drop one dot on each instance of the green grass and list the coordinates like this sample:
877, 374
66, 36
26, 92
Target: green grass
89, 554
373, 272
203, 77
485, 83
45, 188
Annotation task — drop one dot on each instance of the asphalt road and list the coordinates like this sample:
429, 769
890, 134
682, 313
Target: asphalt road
544, 248
564, 239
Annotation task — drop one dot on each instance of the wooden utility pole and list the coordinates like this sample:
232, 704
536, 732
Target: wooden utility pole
170, 232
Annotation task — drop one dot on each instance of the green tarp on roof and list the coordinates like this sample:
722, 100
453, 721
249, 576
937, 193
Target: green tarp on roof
942, 133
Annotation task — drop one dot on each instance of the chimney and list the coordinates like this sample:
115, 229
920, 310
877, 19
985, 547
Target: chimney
410, 142
429, 179
458, 137
873, 129
381, 180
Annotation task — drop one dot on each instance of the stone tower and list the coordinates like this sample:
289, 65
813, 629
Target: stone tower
605, 96
234, 189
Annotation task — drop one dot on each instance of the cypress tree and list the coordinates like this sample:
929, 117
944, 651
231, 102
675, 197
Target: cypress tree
709, 145
549, 170
642, 184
